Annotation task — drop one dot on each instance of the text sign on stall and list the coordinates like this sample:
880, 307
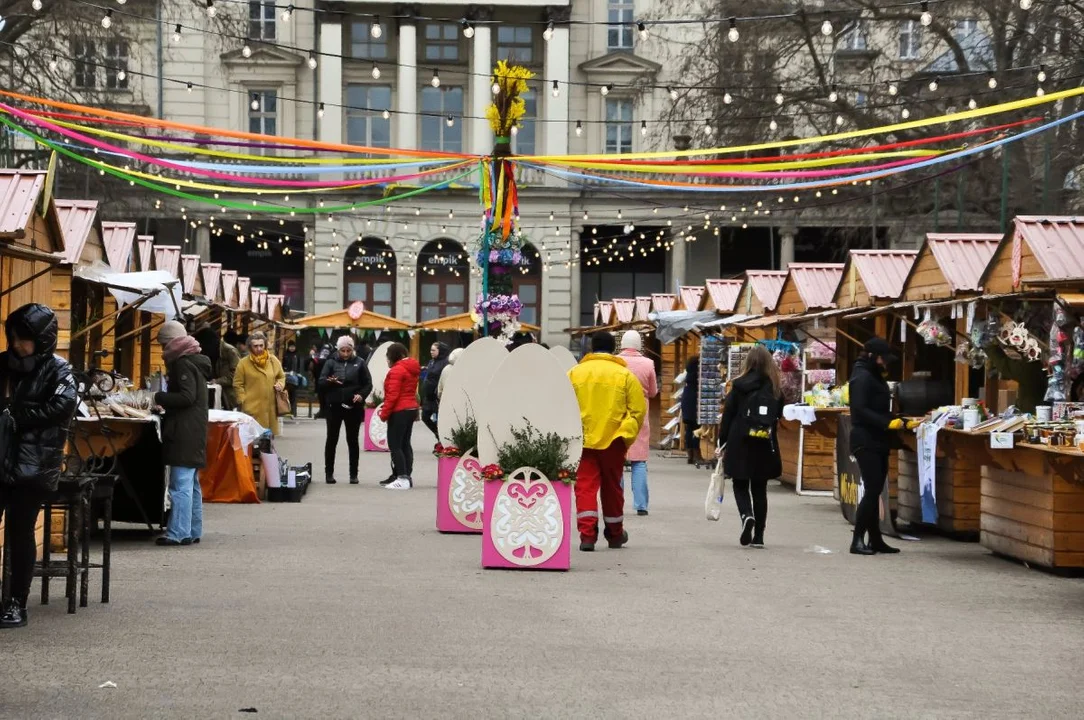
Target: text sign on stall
1002, 440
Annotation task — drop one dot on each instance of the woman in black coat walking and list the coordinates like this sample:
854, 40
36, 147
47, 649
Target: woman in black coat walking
873, 428
690, 417
748, 440
39, 393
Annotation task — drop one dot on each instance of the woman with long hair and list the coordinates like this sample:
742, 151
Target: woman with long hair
747, 440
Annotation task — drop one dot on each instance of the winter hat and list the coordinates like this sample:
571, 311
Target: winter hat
171, 330
631, 340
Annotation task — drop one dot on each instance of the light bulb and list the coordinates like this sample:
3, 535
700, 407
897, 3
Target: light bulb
36, 4
926, 18
732, 34
579, 128
320, 112
287, 13
905, 113
375, 72
972, 104
449, 121
255, 104
779, 95
386, 114
375, 30
893, 89
556, 89
773, 125
1041, 77
826, 27
435, 82
991, 83
312, 61
834, 95
1025, 4
468, 30
246, 51
727, 98
177, 33
107, 21
642, 30
547, 34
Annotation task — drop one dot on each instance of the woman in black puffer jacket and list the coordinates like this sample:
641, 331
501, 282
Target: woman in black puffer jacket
40, 394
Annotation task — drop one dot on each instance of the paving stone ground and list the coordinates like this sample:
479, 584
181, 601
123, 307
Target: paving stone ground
351, 605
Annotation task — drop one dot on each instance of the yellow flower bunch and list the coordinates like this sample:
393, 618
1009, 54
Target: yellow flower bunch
508, 106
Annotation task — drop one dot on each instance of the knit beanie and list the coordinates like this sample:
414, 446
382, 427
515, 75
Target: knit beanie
171, 330
631, 340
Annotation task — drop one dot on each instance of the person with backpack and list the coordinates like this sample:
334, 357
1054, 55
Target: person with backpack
748, 442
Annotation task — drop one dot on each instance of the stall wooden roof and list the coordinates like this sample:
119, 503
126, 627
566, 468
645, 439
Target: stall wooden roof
873, 277
1037, 251
760, 291
368, 321
809, 287
949, 264
118, 238
80, 230
723, 294
461, 322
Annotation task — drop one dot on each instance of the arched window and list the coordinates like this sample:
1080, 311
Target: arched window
527, 283
443, 280
369, 275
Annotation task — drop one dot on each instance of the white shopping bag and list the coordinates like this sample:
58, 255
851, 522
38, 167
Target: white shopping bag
713, 503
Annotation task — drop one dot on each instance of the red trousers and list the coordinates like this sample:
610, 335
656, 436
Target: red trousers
601, 470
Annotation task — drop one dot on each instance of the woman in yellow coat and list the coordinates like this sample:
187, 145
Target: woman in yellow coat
258, 376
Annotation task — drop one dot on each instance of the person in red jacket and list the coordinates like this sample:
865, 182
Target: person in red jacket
399, 411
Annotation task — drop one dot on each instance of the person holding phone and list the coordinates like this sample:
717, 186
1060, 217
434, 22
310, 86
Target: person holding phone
346, 382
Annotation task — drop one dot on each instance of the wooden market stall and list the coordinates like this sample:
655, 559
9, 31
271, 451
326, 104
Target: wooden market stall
948, 268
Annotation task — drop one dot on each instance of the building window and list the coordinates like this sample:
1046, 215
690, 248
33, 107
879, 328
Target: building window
524, 141
364, 46
369, 276
116, 64
437, 105
618, 125
263, 112
365, 124
964, 27
261, 19
619, 32
515, 44
910, 37
443, 276
854, 38
442, 42
86, 66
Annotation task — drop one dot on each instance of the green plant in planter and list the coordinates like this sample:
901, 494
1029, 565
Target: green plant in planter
530, 447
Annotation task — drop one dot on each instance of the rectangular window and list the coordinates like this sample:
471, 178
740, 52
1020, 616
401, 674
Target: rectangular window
618, 125
116, 64
619, 32
365, 123
524, 141
910, 37
964, 27
515, 44
854, 38
85, 64
263, 111
442, 42
437, 105
364, 46
261, 19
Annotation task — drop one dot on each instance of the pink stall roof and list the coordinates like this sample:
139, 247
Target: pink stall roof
146, 252
883, 272
691, 296
168, 258
605, 312
1056, 242
19, 193
189, 272
229, 288
767, 286
244, 300
118, 238
643, 306
212, 281
76, 219
963, 257
816, 283
624, 309
663, 302
724, 294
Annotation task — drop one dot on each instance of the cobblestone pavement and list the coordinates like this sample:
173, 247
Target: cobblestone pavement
350, 604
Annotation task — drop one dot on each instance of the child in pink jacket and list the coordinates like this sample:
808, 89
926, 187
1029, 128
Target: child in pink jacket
644, 370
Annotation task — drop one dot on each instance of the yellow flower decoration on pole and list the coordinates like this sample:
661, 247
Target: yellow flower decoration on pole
508, 106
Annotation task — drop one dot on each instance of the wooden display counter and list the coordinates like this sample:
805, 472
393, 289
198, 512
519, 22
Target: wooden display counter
1033, 505
958, 469
809, 453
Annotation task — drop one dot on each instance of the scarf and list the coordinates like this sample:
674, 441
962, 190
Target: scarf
260, 360
179, 347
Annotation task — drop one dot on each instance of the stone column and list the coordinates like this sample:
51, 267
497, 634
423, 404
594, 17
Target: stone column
331, 83
555, 129
786, 246
479, 138
406, 91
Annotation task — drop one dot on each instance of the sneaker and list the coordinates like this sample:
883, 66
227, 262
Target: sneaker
746, 531
354, 481
402, 483
642, 513
14, 615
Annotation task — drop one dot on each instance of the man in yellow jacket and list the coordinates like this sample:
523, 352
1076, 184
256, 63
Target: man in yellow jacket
612, 408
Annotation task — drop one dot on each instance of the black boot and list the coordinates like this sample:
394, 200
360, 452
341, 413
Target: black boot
14, 615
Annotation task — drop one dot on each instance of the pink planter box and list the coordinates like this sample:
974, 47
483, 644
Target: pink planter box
527, 523
375, 431
459, 495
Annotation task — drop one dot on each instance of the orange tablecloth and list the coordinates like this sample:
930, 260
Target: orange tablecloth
228, 476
